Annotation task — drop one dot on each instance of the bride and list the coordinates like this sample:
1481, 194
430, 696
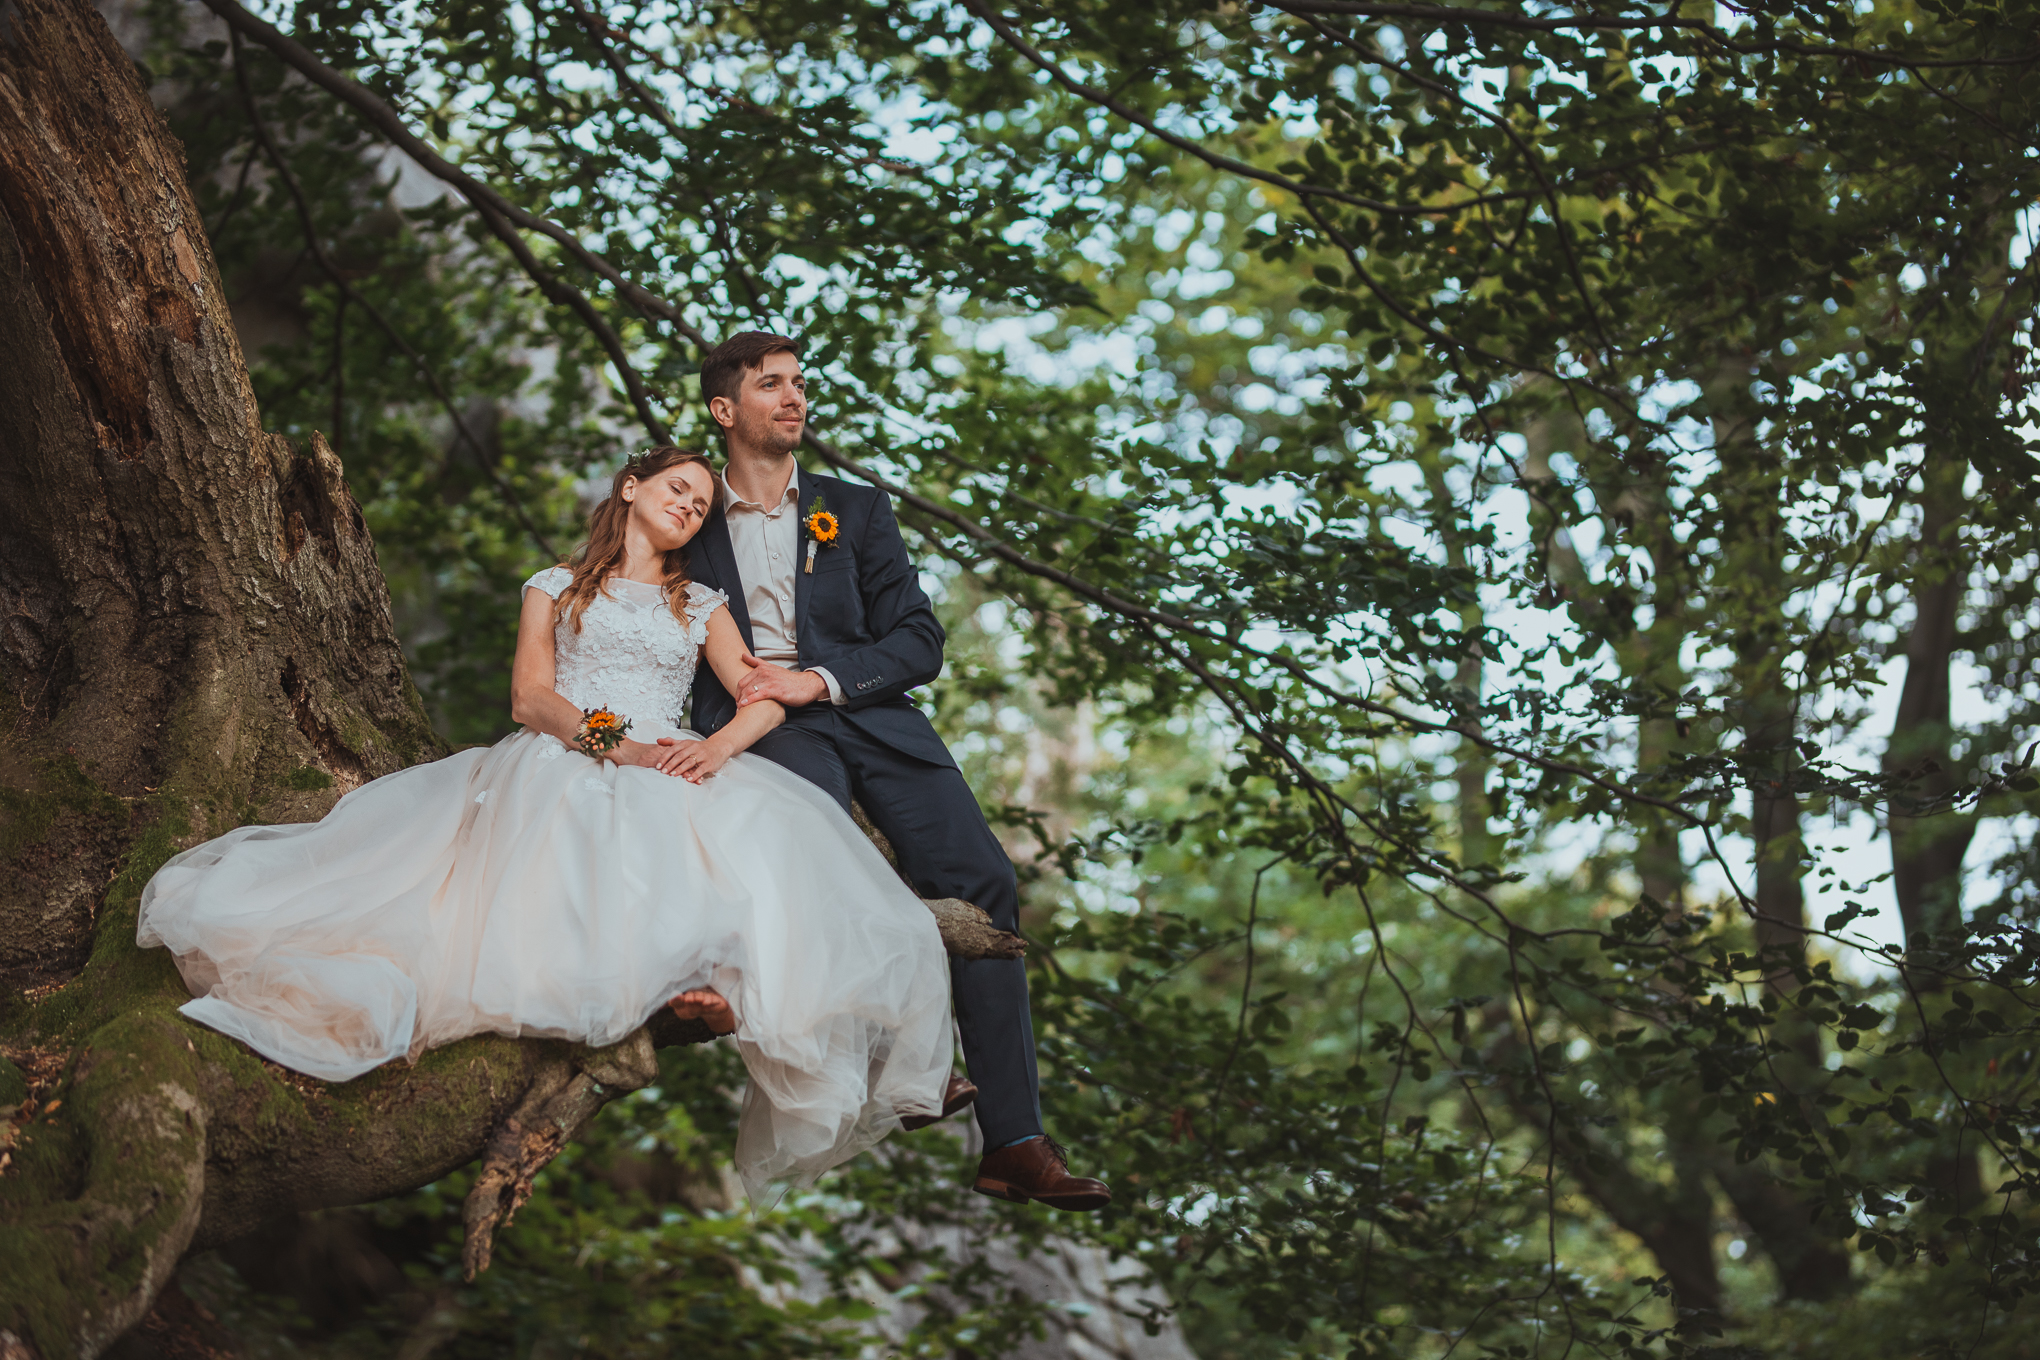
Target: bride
567, 883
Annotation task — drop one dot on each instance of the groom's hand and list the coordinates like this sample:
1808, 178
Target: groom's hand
767, 681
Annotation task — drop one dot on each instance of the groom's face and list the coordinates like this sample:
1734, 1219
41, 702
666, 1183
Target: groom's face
771, 407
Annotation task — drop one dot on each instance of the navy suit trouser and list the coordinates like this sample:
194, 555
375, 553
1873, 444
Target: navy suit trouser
945, 849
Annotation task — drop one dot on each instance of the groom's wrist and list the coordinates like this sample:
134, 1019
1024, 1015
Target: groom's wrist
830, 689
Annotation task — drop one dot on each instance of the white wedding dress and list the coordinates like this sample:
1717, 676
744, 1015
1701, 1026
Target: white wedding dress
528, 889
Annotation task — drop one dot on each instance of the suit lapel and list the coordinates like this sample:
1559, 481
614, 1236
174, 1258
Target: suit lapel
803, 582
722, 560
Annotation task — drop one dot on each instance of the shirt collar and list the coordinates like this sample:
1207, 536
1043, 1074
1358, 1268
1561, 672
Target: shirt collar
732, 501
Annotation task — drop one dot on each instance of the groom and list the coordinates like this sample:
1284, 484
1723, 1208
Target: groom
841, 630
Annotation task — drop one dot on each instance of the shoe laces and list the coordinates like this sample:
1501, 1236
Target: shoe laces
1059, 1152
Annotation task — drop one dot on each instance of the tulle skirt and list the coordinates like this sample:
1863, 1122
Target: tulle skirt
527, 889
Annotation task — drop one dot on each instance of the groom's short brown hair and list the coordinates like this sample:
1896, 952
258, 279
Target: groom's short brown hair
723, 368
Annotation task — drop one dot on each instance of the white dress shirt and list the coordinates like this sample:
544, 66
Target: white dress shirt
766, 543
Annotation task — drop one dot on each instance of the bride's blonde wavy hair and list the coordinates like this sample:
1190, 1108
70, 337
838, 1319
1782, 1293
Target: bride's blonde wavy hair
602, 554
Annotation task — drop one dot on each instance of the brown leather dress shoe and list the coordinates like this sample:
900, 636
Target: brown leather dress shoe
1038, 1169
955, 1096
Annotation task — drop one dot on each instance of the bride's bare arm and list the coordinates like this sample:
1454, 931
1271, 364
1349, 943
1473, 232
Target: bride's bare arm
537, 705
724, 652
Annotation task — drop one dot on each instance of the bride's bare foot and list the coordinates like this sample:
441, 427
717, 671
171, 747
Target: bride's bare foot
705, 1003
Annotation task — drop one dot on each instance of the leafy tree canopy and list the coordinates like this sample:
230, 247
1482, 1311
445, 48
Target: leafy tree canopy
1489, 482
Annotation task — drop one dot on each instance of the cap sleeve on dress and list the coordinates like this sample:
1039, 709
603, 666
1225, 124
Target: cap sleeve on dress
702, 602
552, 581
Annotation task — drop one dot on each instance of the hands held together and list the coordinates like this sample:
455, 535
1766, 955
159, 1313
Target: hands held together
692, 761
788, 687
695, 761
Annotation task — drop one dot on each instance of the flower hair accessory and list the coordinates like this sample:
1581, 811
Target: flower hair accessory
822, 530
601, 731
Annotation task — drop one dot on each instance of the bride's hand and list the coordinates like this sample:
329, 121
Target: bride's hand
661, 756
700, 759
669, 751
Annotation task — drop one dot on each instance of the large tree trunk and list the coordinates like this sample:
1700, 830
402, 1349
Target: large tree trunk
196, 635
196, 628
193, 635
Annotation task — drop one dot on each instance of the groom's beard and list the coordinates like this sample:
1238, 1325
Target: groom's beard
769, 436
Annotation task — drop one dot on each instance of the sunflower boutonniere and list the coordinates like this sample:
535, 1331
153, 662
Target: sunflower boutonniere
822, 530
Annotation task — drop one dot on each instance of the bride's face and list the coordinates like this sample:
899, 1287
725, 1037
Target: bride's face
668, 507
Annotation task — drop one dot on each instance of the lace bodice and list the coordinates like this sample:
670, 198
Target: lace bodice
631, 655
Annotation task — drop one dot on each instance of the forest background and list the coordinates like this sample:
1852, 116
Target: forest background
1490, 577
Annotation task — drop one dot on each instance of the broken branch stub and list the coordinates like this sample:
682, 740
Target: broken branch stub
968, 931
555, 1108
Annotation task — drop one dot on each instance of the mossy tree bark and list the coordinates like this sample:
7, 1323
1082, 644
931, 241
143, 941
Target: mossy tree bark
193, 634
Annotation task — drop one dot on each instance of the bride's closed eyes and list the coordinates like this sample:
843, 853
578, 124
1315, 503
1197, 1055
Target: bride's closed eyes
690, 501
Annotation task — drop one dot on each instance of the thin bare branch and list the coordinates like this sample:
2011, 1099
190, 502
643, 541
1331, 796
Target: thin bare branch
486, 200
1494, 18
995, 546
1106, 100
348, 292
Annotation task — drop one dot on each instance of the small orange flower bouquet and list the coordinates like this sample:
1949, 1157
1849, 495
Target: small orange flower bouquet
601, 731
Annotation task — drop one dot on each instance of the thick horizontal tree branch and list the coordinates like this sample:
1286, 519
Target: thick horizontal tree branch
554, 1110
188, 1140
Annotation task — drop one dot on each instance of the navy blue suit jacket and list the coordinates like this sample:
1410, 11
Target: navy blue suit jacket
861, 613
